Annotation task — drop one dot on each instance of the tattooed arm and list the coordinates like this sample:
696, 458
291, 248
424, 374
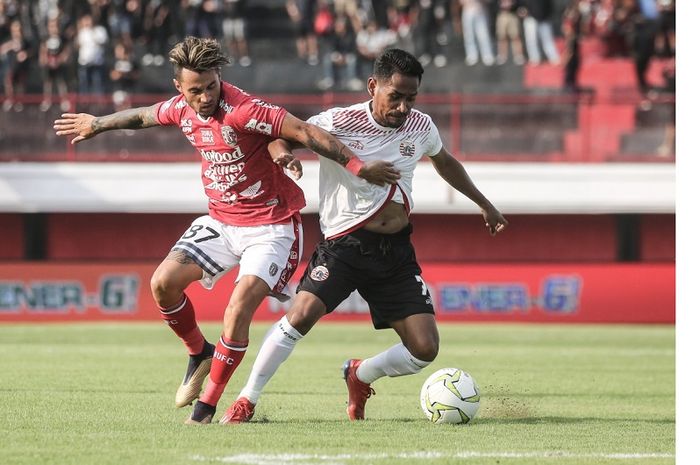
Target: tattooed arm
328, 146
84, 126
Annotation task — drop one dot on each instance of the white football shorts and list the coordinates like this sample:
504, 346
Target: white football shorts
271, 252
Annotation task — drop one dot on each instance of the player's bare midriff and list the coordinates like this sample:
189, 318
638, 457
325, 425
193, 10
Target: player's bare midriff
391, 219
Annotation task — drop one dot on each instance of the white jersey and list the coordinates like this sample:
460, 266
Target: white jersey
347, 202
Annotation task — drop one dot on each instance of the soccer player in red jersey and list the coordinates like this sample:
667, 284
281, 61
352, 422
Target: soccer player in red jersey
253, 219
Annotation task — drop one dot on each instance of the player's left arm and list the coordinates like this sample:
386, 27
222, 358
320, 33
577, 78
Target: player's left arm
456, 176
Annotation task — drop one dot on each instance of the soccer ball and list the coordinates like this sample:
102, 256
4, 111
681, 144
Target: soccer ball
450, 396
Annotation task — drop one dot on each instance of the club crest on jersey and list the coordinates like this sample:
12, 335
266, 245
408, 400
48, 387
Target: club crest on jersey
407, 148
229, 135
207, 136
356, 145
319, 273
273, 269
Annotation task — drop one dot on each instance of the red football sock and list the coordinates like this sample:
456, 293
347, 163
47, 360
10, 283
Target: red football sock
181, 319
227, 357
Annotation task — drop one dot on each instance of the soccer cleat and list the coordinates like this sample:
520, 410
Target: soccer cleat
202, 414
358, 392
197, 371
240, 411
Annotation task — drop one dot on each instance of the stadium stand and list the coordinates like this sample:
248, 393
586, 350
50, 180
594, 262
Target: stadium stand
507, 113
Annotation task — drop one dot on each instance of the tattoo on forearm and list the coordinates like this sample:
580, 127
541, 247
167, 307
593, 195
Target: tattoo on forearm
180, 257
334, 150
134, 118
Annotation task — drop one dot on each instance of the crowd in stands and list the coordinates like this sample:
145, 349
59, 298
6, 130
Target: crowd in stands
100, 46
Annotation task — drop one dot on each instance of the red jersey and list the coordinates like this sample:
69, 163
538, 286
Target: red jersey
245, 187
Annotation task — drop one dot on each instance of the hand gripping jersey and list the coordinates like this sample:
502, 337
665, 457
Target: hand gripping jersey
245, 187
347, 202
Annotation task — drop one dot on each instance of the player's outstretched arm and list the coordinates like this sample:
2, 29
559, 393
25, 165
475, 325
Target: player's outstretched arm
84, 126
456, 176
327, 145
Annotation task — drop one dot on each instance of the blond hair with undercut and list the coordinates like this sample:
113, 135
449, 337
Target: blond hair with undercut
197, 54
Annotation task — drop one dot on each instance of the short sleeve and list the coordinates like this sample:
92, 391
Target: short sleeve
433, 144
166, 113
323, 120
256, 116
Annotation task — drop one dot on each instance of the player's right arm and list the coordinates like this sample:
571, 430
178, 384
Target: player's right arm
84, 126
327, 145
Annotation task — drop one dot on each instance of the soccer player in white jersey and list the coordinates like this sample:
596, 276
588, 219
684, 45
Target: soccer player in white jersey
367, 237
253, 219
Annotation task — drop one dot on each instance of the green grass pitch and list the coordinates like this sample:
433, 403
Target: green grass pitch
104, 394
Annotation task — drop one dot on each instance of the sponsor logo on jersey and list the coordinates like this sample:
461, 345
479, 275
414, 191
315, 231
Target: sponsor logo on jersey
186, 125
407, 148
264, 104
262, 127
222, 157
191, 138
356, 145
207, 136
272, 203
252, 191
319, 273
274, 269
229, 135
224, 105
180, 105
293, 255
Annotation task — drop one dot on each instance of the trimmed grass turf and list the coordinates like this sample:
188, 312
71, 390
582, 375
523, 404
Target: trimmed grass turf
104, 393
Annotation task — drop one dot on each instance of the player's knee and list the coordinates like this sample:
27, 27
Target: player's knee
164, 290
425, 350
305, 312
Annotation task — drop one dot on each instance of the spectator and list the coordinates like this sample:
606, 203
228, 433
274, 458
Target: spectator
613, 23
15, 53
380, 13
158, 27
91, 41
508, 30
666, 38
302, 14
54, 55
124, 19
341, 55
201, 17
573, 28
645, 27
401, 21
234, 28
475, 30
537, 24
429, 34
123, 75
371, 42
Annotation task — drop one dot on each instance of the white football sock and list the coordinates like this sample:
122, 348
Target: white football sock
277, 346
395, 361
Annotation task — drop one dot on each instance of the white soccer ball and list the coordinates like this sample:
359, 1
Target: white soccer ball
450, 395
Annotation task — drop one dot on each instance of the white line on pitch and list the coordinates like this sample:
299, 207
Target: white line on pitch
344, 459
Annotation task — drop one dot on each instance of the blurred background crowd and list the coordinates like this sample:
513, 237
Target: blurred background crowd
102, 46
